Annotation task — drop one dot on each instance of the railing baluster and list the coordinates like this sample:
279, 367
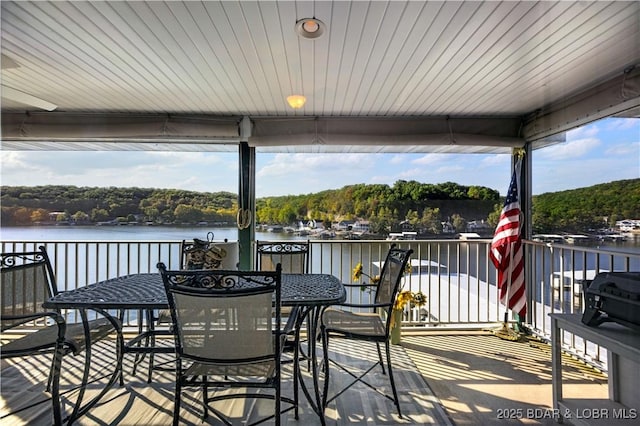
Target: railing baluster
554, 266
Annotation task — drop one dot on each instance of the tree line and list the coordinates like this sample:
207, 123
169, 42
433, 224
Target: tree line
423, 206
23, 205
385, 206
583, 209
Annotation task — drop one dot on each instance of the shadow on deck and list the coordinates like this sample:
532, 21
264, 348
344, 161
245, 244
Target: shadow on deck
443, 379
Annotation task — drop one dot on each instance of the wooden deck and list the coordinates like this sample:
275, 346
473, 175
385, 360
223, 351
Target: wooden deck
442, 379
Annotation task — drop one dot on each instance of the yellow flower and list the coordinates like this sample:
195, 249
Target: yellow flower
357, 272
418, 299
402, 299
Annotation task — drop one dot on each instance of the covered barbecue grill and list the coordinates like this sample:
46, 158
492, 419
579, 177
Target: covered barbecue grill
613, 296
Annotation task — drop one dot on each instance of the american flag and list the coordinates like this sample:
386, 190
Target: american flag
507, 253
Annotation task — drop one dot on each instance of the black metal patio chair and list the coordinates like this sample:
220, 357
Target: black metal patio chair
226, 337
195, 254
373, 326
27, 282
293, 257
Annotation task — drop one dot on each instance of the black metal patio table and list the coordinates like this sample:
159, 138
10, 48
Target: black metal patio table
145, 292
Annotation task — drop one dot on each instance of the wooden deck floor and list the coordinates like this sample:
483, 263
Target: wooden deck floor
478, 378
139, 403
443, 379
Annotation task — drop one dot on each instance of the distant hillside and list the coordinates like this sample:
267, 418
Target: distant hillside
422, 205
581, 209
23, 205
406, 203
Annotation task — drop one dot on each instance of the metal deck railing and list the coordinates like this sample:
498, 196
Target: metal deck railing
456, 276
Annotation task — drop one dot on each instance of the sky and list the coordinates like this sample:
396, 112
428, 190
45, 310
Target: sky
604, 151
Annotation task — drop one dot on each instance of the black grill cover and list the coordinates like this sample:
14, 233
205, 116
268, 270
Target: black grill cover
613, 296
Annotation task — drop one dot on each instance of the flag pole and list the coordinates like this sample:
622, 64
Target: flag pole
505, 332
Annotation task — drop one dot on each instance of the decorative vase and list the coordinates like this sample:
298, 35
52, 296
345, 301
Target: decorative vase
396, 327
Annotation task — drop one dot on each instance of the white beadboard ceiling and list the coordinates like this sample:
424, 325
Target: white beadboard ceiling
377, 59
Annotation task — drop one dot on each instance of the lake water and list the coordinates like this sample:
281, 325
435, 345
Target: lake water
125, 233
178, 233
95, 262
444, 252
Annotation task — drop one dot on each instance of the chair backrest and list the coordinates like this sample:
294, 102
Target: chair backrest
225, 316
293, 256
26, 281
391, 275
201, 254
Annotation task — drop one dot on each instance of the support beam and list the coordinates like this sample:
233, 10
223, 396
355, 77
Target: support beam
78, 130
490, 134
246, 197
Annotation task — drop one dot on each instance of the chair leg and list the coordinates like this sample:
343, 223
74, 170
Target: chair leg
53, 366
325, 358
391, 380
380, 355
85, 380
139, 356
325, 347
178, 392
152, 343
205, 398
54, 384
277, 401
296, 370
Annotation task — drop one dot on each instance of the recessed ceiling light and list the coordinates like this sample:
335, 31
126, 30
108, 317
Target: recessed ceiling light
310, 28
296, 101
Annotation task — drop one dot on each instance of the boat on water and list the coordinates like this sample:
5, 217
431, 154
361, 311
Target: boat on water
323, 234
469, 236
400, 236
611, 236
548, 238
576, 238
451, 296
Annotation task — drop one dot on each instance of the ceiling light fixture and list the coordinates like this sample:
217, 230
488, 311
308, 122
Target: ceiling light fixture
310, 28
296, 101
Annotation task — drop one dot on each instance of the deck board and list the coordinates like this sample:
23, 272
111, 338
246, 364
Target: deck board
140, 403
443, 378
477, 376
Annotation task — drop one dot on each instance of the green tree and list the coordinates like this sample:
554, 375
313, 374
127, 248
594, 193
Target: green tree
80, 216
459, 223
431, 221
413, 218
99, 215
185, 213
494, 216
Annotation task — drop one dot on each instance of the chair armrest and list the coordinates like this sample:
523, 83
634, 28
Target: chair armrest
16, 320
12, 321
364, 305
361, 285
